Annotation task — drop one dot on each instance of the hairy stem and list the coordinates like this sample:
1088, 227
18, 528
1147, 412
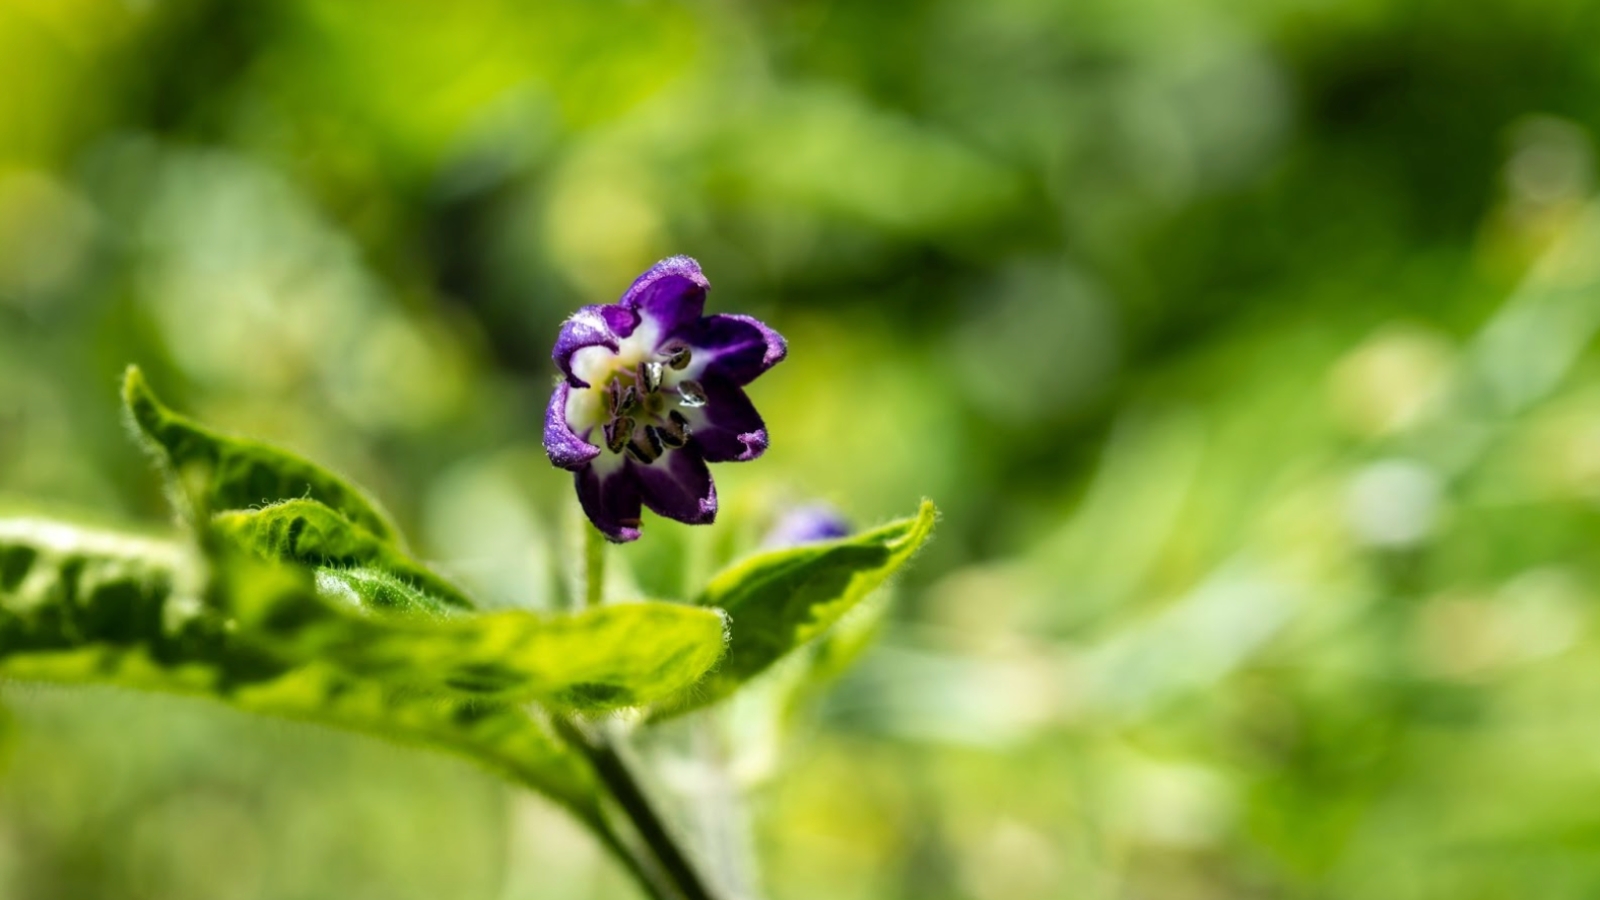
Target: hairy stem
668, 874
671, 863
594, 567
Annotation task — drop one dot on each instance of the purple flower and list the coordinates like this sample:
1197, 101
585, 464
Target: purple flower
654, 390
806, 525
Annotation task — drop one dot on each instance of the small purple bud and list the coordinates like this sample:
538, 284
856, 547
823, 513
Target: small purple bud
806, 525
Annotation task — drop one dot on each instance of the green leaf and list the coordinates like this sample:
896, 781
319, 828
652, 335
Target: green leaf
366, 622
377, 591
509, 740
85, 606
238, 473
780, 600
367, 608
312, 534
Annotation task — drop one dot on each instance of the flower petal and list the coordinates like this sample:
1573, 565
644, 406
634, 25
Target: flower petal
673, 293
735, 347
563, 445
727, 427
591, 326
609, 494
678, 485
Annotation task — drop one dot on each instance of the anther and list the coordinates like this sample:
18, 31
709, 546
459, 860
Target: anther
668, 436
648, 450
692, 393
617, 433
679, 360
650, 376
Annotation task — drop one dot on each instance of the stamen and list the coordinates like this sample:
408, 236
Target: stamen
692, 394
669, 437
630, 397
679, 360
617, 433
650, 376
648, 451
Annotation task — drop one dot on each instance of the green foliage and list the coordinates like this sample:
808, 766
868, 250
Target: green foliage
83, 606
619, 655
308, 608
354, 601
87, 605
782, 599
1138, 292
310, 533
238, 473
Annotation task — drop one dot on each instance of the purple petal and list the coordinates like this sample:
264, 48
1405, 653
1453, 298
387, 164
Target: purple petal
735, 347
611, 500
678, 486
807, 525
563, 445
727, 427
591, 326
673, 293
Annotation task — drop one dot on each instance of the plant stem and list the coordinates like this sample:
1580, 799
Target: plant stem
594, 566
673, 876
615, 772
656, 884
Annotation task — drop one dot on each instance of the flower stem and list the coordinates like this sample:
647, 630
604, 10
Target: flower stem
628, 791
594, 567
670, 875
663, 869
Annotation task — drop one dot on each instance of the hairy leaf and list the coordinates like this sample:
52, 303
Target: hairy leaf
782, 599
366, 622
82, 606
377, 591
310, 533
239, 473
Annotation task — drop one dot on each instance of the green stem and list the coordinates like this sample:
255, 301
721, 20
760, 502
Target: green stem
672, 864
655, 882
594, 567
669, 875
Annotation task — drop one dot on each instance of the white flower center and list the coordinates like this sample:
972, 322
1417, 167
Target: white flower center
633, 405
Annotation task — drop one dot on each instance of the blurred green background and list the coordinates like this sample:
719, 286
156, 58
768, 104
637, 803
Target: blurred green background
1245, 344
